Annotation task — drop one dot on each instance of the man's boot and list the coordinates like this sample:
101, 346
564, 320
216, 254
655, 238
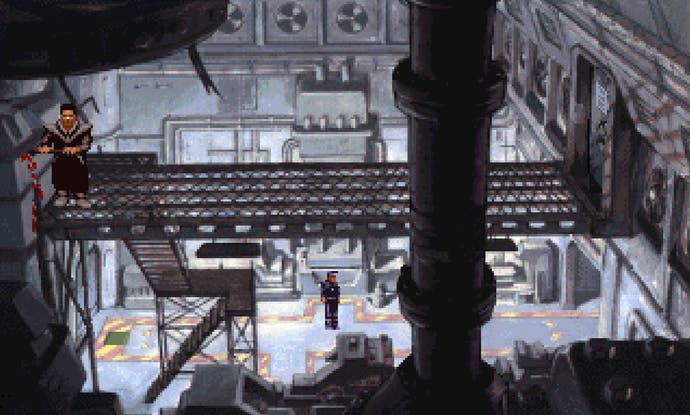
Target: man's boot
82, 201
61, 199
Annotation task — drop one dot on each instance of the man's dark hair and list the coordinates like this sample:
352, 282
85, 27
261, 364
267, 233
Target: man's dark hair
68, 107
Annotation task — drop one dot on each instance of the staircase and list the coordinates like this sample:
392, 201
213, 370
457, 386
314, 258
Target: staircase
510, 289
162, 263
189, 347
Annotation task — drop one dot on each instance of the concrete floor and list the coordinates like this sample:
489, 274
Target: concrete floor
292, 336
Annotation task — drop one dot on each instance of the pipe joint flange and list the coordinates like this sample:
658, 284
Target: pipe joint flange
415, 306
430, 99
421, 309
486, 300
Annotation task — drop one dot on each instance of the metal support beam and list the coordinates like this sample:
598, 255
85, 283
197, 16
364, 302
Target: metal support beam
193, 327
68, 277
84, 312
47, 284
87, 317
98, 266
162, 338
70, 295
242, 330
242, 340
255, 326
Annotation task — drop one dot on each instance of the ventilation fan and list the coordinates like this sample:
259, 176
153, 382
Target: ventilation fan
234, 22
291, 18
352, 18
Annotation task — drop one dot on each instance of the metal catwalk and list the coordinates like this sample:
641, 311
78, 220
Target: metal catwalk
134, 198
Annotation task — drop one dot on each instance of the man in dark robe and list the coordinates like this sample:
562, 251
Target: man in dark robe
69, 139
330, 296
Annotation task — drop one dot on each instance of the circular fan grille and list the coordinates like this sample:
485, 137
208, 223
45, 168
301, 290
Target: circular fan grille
352, 18
234, 22
291, 18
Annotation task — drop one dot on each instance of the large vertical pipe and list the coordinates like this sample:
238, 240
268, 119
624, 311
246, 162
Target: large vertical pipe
448, 88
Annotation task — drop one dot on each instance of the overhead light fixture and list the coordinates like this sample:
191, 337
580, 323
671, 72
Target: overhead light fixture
229, 250
500, 245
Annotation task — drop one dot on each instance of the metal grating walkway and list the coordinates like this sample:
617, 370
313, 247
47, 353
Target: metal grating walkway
533, 198
142, 200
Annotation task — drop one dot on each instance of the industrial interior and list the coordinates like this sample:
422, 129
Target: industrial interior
502, 188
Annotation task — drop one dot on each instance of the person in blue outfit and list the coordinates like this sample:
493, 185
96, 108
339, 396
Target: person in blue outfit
330, 296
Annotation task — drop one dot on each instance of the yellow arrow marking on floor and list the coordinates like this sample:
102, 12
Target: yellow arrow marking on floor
111, 324
104, 350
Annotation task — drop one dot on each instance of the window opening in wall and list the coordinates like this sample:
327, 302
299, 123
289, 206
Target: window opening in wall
503, 146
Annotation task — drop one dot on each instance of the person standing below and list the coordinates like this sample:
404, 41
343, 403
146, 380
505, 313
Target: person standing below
69, 140
330, 296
